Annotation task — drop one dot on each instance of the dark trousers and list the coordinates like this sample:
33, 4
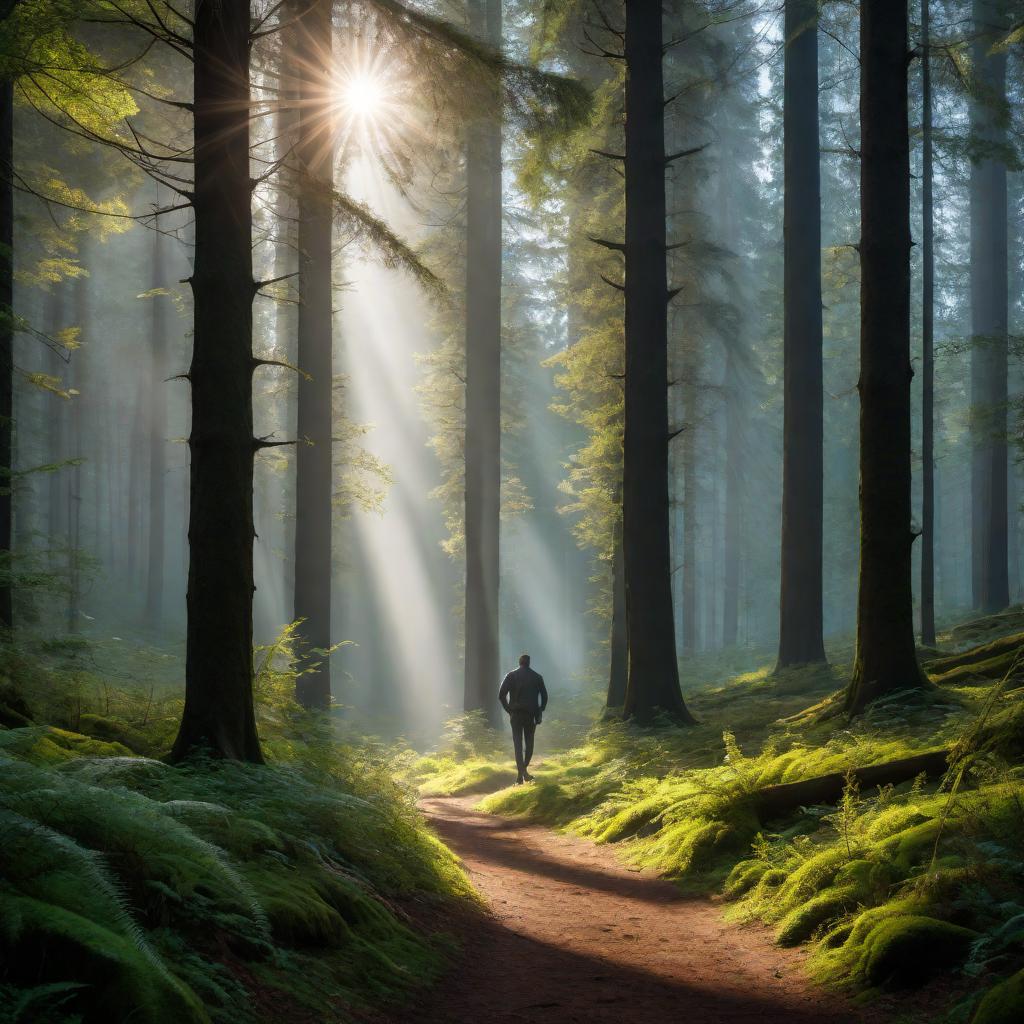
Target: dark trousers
524, 725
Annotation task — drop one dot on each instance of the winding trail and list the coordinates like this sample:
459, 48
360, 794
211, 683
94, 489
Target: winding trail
575, 935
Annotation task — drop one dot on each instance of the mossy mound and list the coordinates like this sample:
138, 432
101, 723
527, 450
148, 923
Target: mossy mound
906, 951
802, 922
114, 731
1003, 1004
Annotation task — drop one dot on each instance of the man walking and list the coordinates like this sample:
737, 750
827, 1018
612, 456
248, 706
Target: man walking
524, 698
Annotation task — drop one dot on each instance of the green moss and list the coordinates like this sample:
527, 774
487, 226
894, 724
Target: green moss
905, 951
114, 731
743, 877
803, 921
1003, 1004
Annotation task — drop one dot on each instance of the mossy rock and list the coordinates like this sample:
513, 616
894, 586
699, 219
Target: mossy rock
113, 731
50, 746
1003, 1004
913, 846
743, 877
906, 951
770, 881
837, 937
803, 921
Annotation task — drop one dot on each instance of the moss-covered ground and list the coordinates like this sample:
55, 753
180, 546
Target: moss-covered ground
135, 891
892, 887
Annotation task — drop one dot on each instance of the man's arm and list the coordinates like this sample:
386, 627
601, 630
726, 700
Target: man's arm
503, 692
543, 694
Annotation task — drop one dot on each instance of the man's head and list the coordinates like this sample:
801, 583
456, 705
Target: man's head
524, 660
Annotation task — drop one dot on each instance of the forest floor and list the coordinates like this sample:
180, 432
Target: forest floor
574, 934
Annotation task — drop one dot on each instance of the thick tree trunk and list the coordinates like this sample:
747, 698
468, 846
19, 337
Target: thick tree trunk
800, 605
618, 667
733, 503
160, 314
77, 375
219, 714
688, 443
989, 310
6, 350
483, 385
927, 344
313, 463
653, 683
886, 660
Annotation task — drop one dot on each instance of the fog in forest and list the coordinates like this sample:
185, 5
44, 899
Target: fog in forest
102, 409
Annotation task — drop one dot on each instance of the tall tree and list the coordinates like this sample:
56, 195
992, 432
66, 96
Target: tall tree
885, 660
800, 619
927, 341
219, 715
314, 175
653, 681
618, 644
6, 344
483, 382
989, 311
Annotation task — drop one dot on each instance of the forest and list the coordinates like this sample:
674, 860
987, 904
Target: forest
399, 397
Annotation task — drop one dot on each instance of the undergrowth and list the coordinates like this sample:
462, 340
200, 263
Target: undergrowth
214, 891
892, 886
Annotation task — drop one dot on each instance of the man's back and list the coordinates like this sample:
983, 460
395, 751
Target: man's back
523, 690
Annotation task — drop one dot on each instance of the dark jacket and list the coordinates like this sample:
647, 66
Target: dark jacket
523, 690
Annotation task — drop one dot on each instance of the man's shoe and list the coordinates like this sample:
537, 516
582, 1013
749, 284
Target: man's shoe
519, 781
527, 777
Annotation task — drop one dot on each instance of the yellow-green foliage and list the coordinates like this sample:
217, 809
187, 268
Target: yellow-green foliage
130, 887
890, 885
1004, 1004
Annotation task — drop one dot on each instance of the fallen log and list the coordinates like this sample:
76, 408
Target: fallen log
985, 657
781, 800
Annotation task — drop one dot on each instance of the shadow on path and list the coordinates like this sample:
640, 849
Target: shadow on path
573, 935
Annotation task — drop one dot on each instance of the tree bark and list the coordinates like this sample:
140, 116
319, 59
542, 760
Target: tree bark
313, 463
800, 605
6, 350
653, 681
618, 669
160, 313
885, 660
219, 715
989, 312
483, 385
927, 343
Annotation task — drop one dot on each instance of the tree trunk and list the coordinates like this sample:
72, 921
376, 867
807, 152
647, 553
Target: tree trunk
618, 669
688, 443
653, 682
885, 660
733, 502
989, 310
6, 349
483, 385
927, 344
77, 375
219, 714
800, 605
313, 463
160, 314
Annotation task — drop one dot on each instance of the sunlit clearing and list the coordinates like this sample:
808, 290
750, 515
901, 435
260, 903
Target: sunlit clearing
363, 96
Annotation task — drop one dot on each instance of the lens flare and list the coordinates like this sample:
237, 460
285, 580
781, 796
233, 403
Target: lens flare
364, 96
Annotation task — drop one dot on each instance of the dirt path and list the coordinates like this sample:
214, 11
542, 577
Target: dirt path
574, 935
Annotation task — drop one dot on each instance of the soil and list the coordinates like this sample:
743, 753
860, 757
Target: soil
573, 934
